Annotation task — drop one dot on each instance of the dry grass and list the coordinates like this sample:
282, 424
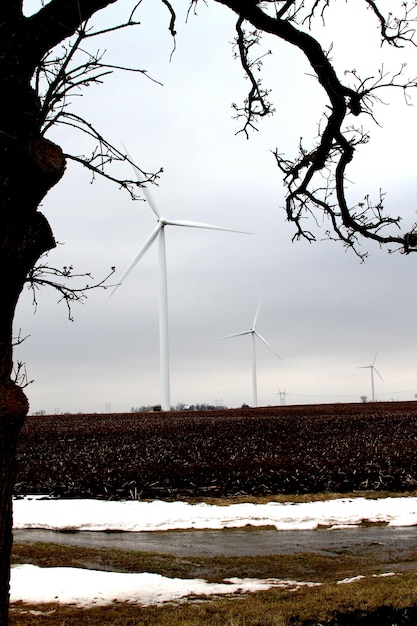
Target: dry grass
303, 497
271, 608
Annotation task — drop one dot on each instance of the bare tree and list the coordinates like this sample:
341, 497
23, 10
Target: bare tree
44, 61
316, 178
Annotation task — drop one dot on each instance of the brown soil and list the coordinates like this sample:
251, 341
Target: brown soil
274, 450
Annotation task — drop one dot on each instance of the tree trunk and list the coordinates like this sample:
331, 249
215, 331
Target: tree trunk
13, 410
23, 239
29, 166
20, 247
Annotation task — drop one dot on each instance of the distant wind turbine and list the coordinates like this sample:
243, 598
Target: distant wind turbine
373, 369
159, 231
254, 333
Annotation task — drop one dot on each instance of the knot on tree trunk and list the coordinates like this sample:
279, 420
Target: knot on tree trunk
48, 161
14, 405
28, 170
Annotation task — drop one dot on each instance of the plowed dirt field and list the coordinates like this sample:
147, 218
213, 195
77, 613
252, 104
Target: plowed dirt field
273, 450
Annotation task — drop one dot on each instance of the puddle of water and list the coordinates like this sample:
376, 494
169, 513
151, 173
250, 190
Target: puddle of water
236, 542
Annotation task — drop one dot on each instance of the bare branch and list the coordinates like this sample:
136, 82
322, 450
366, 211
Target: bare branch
20, 375
396, 30
103, 154
43, 275
192, 7
16, 341
62, 76
173, 18
59, 76
317, 178
289, 4
256, 104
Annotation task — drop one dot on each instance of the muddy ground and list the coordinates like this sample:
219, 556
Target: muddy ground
274, 450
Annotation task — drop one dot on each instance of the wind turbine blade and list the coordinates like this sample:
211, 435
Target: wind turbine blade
375, 370
139, 255
145, 190
267, 344
373, 362
244, 332
150, 201
255, 319
190, 224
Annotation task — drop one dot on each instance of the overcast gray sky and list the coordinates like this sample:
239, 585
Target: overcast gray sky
323, 311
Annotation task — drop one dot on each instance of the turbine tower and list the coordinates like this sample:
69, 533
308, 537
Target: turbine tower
373, 369
159, 232
254, 333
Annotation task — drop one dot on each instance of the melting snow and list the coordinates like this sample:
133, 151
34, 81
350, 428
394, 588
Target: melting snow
81, 587
159, 515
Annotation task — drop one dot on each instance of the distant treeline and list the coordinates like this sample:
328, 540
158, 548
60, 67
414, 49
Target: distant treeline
179, 407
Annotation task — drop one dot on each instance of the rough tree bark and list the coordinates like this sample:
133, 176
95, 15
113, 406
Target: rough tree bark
29, 167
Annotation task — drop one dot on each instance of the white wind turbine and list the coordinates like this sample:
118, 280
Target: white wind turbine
159, 232
254, 333
373, 369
